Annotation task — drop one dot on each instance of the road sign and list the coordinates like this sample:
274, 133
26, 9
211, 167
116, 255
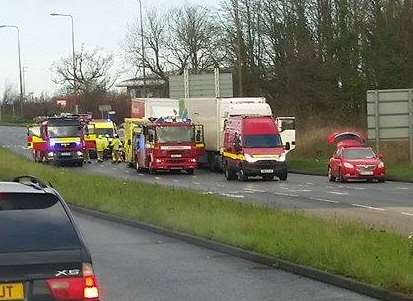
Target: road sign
390, 116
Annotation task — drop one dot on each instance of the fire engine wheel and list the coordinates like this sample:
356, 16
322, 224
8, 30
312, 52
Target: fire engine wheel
190, 171
331, 177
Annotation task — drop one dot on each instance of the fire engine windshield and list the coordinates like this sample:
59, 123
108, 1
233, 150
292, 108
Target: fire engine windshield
174, 134
262, 141
63, 131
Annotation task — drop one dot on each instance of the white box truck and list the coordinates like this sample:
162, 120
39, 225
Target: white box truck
154, 107
212, 113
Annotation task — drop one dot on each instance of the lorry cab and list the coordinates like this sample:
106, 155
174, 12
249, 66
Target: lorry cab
253, 147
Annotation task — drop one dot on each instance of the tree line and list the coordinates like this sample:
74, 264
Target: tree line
308, 57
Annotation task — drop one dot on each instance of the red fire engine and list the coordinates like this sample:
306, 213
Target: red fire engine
167, 144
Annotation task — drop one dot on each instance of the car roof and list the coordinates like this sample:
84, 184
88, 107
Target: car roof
11, 187
355, 147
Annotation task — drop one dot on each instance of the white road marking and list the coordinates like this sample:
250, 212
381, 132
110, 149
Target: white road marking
325, 200
407, 213
237, 196
175, 180
403, 188
309, 183
140, 174
157, 178
337, 192
253, 190
368, 207
196, 183
286, 194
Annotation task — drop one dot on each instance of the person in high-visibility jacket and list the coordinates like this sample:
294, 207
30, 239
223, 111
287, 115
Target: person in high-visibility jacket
101, 145
116, 146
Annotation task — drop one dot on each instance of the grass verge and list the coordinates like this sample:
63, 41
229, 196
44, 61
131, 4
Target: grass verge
348, 249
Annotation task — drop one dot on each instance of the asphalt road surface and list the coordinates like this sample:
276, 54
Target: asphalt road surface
133, 264
137, 265
386, 206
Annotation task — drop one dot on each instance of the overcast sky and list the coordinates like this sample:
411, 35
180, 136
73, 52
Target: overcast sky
45, 39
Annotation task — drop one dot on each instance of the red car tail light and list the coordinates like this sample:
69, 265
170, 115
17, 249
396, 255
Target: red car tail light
83, 288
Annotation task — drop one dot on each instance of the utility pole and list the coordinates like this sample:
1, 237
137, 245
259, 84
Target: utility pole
143, 49
239, 48
73, 46
20, 65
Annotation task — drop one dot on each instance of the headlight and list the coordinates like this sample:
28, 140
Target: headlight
249, 158
381, 165
348, 165
282, 157
50, 154
79, 153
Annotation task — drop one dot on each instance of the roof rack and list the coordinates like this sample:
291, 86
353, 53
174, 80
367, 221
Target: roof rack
32, 181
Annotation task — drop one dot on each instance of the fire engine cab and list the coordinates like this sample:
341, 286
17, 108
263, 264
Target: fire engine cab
165, 144
57, 139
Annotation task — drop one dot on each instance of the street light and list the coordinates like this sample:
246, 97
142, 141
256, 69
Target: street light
73, 46
20, 64
143, 49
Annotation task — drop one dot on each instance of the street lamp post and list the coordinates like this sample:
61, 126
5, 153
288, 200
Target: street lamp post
73, 46
20, 64
143, 49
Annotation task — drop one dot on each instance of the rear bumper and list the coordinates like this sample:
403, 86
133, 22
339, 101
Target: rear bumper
260, 168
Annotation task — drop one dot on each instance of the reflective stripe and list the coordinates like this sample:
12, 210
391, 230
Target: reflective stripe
233, 156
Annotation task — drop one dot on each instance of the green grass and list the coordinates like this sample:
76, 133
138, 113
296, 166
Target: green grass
319, 167
349, 249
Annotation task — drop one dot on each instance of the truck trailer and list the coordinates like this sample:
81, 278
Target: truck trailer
154, 107
213, 113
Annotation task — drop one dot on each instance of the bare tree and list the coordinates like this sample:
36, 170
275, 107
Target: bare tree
155, 35
195, 39
93, 72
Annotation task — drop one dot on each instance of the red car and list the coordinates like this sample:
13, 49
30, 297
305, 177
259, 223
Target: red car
353, 159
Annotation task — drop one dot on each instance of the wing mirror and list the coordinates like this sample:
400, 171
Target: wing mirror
129, 142
287, 146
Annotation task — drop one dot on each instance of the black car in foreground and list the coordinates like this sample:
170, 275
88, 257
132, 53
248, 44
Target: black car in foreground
42, 253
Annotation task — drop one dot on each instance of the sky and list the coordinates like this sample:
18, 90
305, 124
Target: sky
44, 39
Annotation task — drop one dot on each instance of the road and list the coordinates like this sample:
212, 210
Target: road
133, 264
387, 206
137, 265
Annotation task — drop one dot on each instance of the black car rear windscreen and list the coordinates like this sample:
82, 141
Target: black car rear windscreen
34, 222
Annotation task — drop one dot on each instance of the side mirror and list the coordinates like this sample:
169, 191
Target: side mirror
129, 142
287, 146
380, 156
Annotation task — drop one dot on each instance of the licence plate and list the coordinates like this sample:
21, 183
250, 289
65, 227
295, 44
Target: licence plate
366, 173
176, 156
265, 171
11, 291
65, 154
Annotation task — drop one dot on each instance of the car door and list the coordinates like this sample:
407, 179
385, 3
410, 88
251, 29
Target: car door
336, 162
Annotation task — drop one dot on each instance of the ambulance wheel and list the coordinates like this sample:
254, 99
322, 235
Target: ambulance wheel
283, 175
190, 171
229, 173
241, 175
